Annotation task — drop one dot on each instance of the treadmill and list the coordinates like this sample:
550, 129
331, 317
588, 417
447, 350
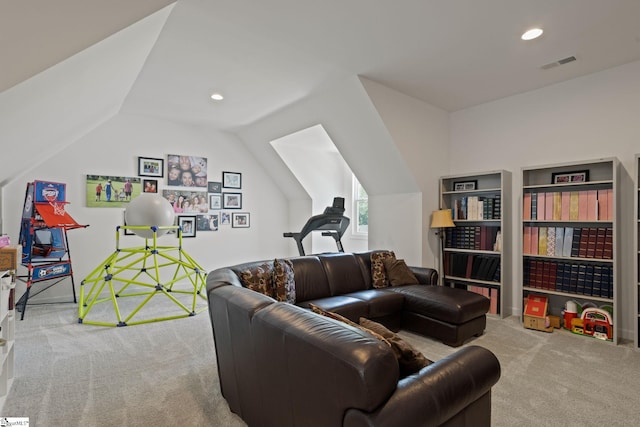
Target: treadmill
332, 223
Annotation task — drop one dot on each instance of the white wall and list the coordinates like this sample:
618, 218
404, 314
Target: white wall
586, 118
113, 149
420, 132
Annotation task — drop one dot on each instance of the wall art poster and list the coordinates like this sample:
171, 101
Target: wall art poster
186, 171
106, 191
187, 201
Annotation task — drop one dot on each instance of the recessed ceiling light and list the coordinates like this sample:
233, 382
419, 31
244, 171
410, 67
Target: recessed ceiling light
531, 34
216, 96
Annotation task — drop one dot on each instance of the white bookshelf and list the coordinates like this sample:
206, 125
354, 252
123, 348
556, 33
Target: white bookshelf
585, 274
489, 188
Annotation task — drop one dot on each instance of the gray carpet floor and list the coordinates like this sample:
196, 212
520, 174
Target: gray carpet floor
164, 374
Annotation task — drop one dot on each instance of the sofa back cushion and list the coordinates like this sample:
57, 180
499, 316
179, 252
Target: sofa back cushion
343, 273
257, 276
310, 279
313, 369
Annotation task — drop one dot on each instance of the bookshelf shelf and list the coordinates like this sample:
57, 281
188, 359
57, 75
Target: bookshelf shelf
8, 259
569, 238
636, 249
483, 217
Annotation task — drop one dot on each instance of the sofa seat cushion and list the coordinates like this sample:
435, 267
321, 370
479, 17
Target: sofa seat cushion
451, 305
381, 303
351, 308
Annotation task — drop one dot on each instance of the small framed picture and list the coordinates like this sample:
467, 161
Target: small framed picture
225, 218
232, 200
232, 180
240, 220
569, 177
187, 224
150, 185
148, 166
465, 185
214, 187
215, 201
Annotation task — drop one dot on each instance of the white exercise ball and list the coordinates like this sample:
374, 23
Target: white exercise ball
151, 210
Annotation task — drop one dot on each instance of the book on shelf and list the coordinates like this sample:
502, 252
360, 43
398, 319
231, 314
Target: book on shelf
542, 240
575, 244
540, 214
607, 251
573, 206
526, 206
603, 212
566, 206
548, 205
592, 205
583, 242
497, 207
601, 233
596, 288
609, 204
535, 231
582, 273
588, 280
551, 241
559, 241
526, 240
582, 206
591, 242
568, 242
493, 301
557, 206
534, 205
573, 278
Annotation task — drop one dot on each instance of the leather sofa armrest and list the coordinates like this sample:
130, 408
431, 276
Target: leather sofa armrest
220, 277
436, 393
425, 275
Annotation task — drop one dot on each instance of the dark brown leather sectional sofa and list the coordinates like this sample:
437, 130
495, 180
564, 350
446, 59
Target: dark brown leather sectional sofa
282, 365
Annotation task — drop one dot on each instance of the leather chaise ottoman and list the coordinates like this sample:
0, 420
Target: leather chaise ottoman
448, 314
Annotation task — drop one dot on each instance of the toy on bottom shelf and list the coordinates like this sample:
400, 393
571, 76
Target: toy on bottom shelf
589, 320
594, 322
535, 314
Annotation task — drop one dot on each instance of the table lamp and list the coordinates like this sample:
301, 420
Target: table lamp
440, 220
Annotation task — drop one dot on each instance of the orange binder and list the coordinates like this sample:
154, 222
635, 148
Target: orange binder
583, 205
592, 205
541, 206
548, 205
526, 206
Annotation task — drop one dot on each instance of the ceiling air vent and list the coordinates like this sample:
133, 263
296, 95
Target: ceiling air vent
558, 62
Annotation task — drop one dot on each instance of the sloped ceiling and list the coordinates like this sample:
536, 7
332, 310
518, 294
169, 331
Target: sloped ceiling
266, 55
36, 34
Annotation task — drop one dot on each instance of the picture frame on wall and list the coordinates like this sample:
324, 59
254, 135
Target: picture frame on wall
188, 225
240, 220
150, 166
232, 200
569, 177
149, 185
107, 191
215, 202
225, 218
214, 187
232, 180
186, 171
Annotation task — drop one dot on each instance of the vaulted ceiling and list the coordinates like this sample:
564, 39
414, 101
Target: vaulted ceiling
265, 55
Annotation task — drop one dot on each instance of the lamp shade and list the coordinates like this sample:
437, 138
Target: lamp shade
441, 219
